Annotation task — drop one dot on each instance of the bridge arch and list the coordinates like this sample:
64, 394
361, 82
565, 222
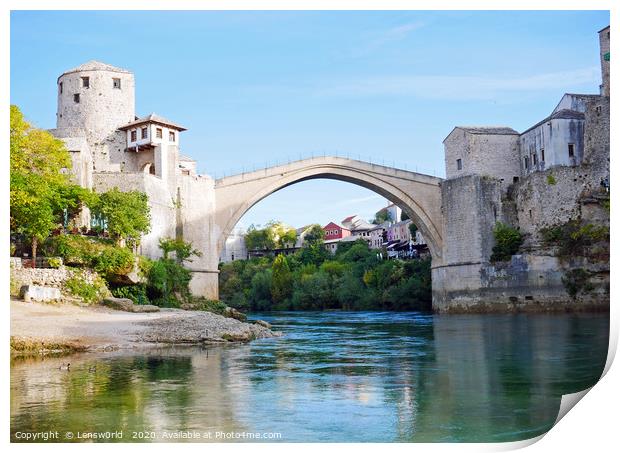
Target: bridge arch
417, 194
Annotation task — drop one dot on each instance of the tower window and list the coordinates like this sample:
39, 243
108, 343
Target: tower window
76, 98
571, 150
459, 164
159, 133
171, 136
134, 136
116, 83
526, 163
143, 132
60, 87
85, 82
542, 155
534, 159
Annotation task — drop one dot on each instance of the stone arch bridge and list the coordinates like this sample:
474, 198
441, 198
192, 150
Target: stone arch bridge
416, 194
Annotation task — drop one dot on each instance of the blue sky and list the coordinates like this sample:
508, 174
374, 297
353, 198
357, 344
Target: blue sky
259, 87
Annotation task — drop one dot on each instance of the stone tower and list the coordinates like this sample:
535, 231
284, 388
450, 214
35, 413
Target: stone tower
94, 100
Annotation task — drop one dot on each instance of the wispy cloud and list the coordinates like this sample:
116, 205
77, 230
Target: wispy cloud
385, 37
457, 87
439, 87
357, 200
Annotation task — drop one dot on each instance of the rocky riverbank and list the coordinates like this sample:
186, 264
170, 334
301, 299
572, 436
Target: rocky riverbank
44, 328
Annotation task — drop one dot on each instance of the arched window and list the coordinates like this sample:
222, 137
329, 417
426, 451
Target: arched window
149, 168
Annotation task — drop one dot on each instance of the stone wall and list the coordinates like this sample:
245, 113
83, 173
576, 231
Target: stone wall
470, 207
196, 224
160, 199
494, 155
527, 283
54, 278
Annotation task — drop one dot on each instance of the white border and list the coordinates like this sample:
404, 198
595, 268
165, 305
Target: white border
592, 425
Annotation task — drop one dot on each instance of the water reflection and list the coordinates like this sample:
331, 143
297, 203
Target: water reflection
333, 377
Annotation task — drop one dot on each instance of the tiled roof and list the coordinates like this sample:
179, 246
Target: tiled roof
490, 130
560, 114
153, 118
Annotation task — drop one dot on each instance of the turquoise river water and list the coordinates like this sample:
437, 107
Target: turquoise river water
332, 377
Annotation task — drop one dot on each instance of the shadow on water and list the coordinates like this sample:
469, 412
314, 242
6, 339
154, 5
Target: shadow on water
333, 376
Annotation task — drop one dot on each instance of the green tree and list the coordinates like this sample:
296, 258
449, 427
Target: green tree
125, 214
168, 283
283, 235
281, 280
413, 229
40, 186
259, 239
314, 234
274, 235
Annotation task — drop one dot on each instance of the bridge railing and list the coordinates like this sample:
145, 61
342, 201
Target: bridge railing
269, 163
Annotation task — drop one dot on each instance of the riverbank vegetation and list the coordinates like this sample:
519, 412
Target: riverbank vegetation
355, 278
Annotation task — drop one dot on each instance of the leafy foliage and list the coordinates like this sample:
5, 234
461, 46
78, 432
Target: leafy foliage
40, 185
91, 288
315, 234
507, 242
167, 279
183, 250
274, 235
114, 261
574, 236
353, 279
281, 280
137, 293
125, 214
577, 281
168, 283
551, 180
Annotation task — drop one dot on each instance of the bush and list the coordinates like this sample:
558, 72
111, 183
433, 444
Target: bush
574, 236
113, 261
507, 242
576, 281
213, 306
75, 249
551, 180
168, 283
137, 293
54, 262
91, 288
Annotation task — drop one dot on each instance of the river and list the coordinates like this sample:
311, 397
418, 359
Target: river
333, 376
